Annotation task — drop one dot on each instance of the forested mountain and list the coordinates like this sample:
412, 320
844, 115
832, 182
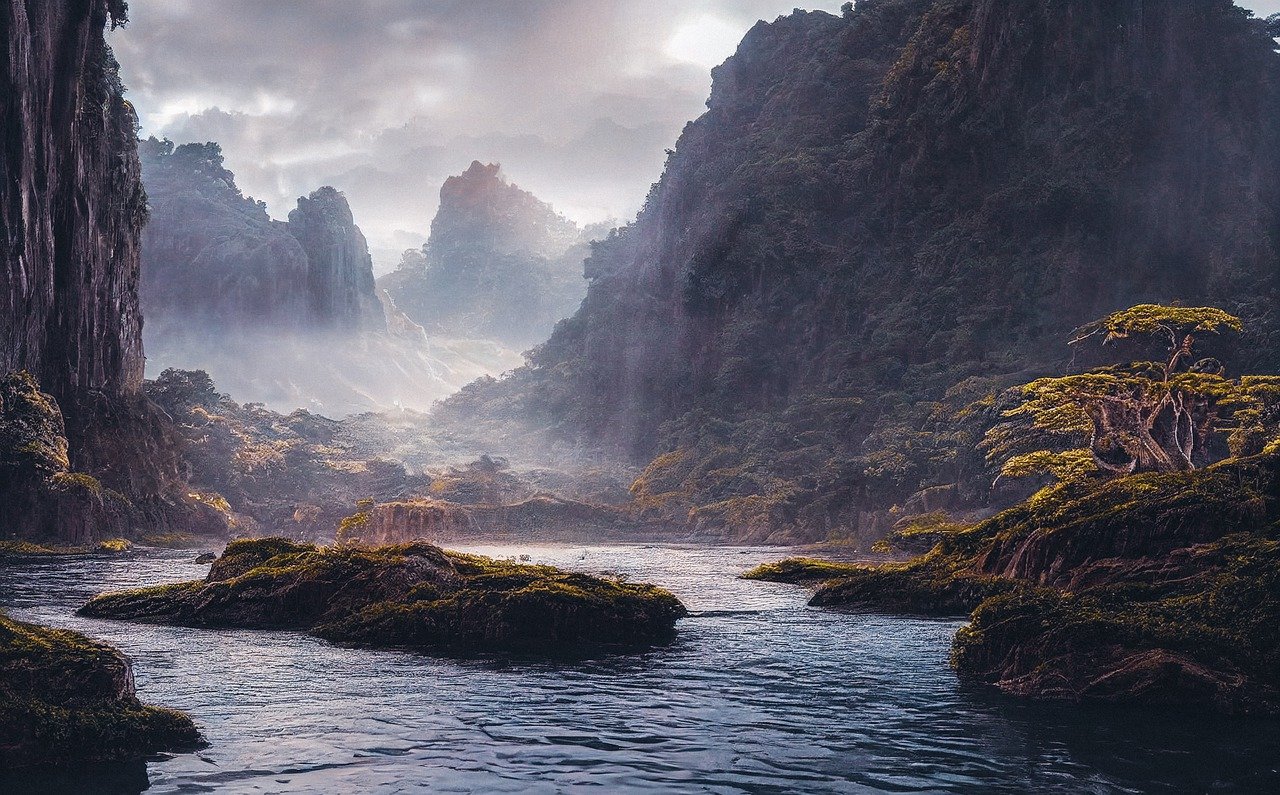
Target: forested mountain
500, 264
883, 220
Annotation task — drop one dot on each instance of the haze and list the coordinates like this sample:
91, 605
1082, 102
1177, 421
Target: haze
578, 99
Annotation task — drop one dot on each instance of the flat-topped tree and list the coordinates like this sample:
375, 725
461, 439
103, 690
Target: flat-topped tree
1144, 416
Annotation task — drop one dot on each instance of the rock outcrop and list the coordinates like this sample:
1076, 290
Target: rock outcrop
1154, 589
414, 596
340, 274
67, 699
500, 264
885, 216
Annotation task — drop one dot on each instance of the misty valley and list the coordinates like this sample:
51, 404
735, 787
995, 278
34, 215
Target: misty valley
918, 430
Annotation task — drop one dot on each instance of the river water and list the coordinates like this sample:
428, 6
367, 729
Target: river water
758, 694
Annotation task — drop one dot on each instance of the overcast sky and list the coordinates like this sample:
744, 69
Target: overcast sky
383, 99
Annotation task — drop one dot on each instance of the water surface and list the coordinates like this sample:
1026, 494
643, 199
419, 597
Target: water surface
758, 694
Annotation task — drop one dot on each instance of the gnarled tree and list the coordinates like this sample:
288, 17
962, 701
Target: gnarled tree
1145, 416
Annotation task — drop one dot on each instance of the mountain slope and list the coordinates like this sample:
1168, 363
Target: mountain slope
885, 216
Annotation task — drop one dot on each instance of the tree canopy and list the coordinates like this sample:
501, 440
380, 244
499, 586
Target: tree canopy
1145, 416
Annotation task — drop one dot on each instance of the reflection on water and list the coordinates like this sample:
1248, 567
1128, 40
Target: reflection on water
758, 694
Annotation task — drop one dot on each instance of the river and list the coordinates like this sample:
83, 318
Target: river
758, 694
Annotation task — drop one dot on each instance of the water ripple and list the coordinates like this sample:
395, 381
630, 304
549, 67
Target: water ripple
758, 694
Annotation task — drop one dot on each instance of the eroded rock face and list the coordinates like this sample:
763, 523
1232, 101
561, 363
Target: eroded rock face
72, 211
340, 273
67, 699
500, 264
413, 595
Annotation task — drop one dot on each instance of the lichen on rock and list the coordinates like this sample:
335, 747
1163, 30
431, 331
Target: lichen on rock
65, 698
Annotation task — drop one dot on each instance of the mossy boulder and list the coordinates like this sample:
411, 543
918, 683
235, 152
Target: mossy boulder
66, 699
1155, 588
413, 595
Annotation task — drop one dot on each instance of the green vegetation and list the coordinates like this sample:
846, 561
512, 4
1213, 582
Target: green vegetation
1146, 416
1161, 587
67, 699
413, 595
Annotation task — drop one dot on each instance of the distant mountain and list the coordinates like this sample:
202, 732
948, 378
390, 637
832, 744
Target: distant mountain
886, 216
281, 313
499, 264
214, 256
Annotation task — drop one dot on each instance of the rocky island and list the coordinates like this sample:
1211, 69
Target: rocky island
408, 596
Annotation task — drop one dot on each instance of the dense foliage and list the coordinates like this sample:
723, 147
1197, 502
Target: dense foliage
1144, 416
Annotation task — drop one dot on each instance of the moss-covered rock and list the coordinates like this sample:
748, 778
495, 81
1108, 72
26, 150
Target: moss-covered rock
413, 595
1156, 588
67, 699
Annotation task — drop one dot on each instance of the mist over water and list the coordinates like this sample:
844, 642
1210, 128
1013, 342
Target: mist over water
758, 694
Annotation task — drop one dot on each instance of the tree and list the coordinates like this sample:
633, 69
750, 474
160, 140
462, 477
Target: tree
1145, 416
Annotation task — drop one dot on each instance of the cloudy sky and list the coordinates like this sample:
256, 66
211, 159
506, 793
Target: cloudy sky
385, 98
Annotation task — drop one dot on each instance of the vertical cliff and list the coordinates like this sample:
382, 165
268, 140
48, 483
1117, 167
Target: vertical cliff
500, 263
70, 225
340, 271
212, 259
73, 205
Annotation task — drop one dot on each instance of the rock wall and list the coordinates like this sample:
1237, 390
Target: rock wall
73, 205
340, 271
70, 222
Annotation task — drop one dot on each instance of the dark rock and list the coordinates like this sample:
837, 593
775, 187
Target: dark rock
207, 557
414, 595
70, 221
66, 699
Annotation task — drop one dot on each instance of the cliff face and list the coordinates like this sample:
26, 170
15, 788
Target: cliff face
499, 264
73, 205
885, 216
340, 273
70, 221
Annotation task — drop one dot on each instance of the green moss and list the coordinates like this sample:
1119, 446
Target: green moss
415, 595
801, 571
78, 481
65, 698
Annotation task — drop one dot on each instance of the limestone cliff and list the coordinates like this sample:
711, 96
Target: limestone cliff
340, 271
72, 212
